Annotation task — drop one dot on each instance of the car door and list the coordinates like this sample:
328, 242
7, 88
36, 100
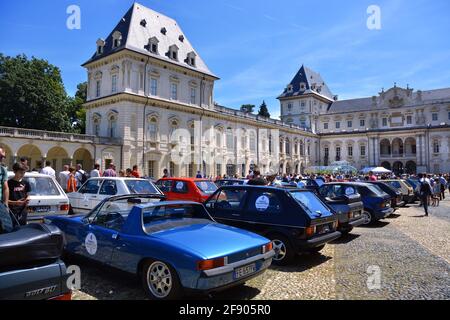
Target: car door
85, 195
108, 189
181, 190
226, 206
263, 211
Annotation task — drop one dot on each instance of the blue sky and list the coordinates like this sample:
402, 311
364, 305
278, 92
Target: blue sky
257, 46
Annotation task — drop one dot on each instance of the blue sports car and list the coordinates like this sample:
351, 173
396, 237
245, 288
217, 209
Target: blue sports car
175, 247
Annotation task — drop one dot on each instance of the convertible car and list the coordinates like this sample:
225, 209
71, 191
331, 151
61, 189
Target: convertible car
175, 247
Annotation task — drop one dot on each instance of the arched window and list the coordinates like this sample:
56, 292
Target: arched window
117, 39
152, 130
302, 148
219, 138
112, 127
288, 147
436, 146
190, 60
270, 144
96, 121
252, 141
230, 138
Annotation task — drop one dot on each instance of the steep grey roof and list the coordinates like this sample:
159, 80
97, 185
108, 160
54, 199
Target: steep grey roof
136, 35
367, 104
309, 78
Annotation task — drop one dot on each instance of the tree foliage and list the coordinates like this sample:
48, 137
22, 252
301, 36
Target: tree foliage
77, 113
32, 95
263, 111
247, 108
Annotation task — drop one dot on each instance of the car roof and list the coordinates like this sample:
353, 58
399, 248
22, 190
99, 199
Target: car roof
361, 184
166, 203
184, 179
31, 175
117, 178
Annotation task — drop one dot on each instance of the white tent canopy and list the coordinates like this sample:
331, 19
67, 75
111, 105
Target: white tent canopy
376, 170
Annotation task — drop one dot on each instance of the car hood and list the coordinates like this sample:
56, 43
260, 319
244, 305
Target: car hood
211, 240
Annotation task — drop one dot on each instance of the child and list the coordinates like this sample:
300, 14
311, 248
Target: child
18, 194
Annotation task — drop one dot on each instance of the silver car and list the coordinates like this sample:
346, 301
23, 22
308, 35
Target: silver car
97, 189
47, 198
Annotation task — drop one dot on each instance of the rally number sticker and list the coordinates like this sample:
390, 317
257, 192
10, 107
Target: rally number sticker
91, 244
262, 203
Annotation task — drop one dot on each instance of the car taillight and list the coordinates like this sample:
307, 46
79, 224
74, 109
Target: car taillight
210, 264
335, 224
310, 231
267, 247
64, 297
64, 207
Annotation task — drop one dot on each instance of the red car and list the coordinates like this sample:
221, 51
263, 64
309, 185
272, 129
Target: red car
186, 189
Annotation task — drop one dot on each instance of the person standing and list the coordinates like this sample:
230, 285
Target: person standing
166, 173
24, 161
129, 173
63, 177
80, 176
110, 172
372, 177
443, 186
95, 173
18, 195
71, 181
257, 179
48, 170
4, 190
199, 175
135, 172
424, 192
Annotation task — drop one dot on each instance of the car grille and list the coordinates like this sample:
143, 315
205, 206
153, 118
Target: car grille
242, 255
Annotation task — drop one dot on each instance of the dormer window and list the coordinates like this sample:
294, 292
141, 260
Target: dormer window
290, 88
153, 45
143, 23
181, 38
117, 39
190, 60
302, 87
163, 31
100, 46
173, 52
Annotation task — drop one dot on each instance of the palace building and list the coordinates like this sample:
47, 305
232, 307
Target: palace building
151, 103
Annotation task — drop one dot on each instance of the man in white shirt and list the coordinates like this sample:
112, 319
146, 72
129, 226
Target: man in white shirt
63, 177
79, 175
48, 170
95, 173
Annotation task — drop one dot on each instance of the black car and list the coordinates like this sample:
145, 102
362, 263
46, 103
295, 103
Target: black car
229, 182
30, 264
295, 220
396, 200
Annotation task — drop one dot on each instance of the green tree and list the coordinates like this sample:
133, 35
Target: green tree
263, 111
32, 95
247, 108
77, 113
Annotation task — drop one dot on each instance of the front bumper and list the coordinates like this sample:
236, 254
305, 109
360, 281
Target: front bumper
222, 278
304, 245
381, 214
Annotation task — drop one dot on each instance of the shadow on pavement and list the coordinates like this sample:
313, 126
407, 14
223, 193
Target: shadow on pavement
393, 216
303, 262
376, 224
346, 238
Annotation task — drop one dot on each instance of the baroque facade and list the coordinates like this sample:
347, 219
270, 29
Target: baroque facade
151, 103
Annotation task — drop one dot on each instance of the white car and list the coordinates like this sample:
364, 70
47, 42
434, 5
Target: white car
96, 190
47, 198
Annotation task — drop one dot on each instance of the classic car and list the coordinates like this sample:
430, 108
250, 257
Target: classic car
404, 187
396, 195
295, 220
96, 190
46, 196
377, 203
186, 189
175, 248
30, 265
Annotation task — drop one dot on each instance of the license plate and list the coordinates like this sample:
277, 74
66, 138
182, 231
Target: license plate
357, 214
243, 271
41, 209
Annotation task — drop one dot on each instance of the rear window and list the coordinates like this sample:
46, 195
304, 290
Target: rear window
395, 184
207, 187
376, 190
140, 187
311, 203
42, 187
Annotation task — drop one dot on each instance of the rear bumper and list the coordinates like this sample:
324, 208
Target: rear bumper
304, 245
408, 198
222, 278
381, 214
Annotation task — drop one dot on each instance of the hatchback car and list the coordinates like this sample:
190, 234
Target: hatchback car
397, 197
46, 196
405, 188
295, 220
186, 189
97, 189
377, 203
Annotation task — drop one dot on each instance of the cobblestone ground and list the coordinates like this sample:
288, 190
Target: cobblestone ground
411, 253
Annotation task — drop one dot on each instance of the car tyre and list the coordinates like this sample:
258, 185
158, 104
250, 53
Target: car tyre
368, 218
284, 251
160, 281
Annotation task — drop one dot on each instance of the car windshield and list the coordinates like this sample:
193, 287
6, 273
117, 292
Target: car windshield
311, 204
413, 183
320, 182
395, 184
141, 187
376, 190
207, 187
42, 186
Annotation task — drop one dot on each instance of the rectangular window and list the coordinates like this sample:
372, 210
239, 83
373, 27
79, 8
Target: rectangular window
363, 151
349, 124
218, 169
385, 122
151, 169
338, 125
141, 81
325, 125
193, 95
174, 91
350, 151
449, 116
409, 120
338, 153
327, 153
362, 123
434, 117
114, 84
154, 87
98, 85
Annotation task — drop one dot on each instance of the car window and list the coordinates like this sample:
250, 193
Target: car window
91, 186
108, 188
140, 187
229, 199
310, 203
395, 184
180, 187
165, 185
265, 203
207, 187
42, 186
113, 214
